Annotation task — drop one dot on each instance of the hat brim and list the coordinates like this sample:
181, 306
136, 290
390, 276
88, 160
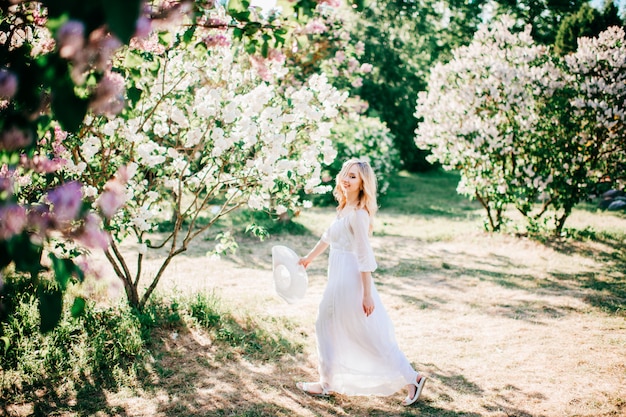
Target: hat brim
290, 278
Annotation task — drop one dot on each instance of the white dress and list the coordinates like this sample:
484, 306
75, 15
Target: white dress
358, 355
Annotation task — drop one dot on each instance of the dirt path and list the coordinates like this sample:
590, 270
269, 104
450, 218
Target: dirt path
501, 326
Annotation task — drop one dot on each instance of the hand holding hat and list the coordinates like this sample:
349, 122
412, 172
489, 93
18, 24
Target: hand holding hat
290, 278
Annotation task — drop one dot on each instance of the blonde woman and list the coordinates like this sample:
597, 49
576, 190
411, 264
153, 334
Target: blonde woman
357, 348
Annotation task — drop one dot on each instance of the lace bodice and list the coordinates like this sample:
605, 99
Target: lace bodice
350, 233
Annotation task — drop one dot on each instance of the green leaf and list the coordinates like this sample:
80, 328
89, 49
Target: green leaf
201, 48
5, 258
121, 17
240, 16
235, 5
165, 38
188, 35
250, 47
68, 108
50, 307
134, 94
25, 254
63, 270
252, 28
78, 307
5, 340
132, 60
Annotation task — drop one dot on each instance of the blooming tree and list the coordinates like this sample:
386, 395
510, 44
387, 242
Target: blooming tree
50, 68
203, 136
56, 69
478, 113
523, 127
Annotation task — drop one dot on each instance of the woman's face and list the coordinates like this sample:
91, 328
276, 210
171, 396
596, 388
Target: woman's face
351, 182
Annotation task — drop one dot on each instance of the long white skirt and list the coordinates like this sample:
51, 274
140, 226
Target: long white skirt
358, 355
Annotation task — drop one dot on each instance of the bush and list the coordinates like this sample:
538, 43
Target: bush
365, 138
108, 347
102, 344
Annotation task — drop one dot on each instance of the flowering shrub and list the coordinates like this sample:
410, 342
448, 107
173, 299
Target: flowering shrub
204, 136
523, 127
52, 66
63, 181
358, 136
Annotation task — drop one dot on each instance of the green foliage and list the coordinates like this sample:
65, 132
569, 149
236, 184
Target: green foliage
366, 138
431, 193
544, 16
101, 344
588, 22
245, 335
403, 40
263, 224
108, 347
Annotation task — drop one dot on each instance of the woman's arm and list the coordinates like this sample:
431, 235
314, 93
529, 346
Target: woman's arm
368, 301
365, 257
318, 249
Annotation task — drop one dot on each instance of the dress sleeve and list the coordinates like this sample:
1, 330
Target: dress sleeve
325, 236
360, 223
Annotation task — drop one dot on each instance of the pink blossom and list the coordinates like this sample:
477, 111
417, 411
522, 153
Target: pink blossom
88, 268
217, 22
6, 185
102, 45
143, 27
42, 164
39, 221
8, 84
109, 96
150, 44
216, 40
359, 48
15, 138
125, 173
366, 68
331, 3
340, 56
353, 64
112, 198
12, 220
66, 201
59, 134
39, 18
114, 195
174, 13
358, 82
315, 27
261, 68
71, 38
276, 55
91, 233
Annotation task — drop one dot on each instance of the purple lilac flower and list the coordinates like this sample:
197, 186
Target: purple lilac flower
12, 220
66, 201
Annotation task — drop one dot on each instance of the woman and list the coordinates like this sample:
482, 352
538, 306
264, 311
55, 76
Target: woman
356, 345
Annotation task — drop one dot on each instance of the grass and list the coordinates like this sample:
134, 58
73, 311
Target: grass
501, 325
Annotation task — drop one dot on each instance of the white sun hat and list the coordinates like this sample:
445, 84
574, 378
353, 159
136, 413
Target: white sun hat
290, 278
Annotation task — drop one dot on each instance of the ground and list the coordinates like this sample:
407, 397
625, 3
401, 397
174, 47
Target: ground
501, 326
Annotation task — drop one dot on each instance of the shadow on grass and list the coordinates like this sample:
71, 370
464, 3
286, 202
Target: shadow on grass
90, 398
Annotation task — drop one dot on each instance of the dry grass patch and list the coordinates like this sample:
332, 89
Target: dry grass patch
502, 326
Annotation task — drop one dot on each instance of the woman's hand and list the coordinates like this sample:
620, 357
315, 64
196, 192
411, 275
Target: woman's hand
305, 261
368, 305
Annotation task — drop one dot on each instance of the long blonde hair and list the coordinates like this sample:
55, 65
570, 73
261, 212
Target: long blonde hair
367, 195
